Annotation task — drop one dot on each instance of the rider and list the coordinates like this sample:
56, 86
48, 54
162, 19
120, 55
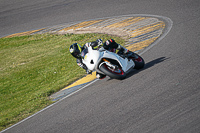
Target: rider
75, 50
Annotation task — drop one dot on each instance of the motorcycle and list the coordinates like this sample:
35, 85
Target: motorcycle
114, 65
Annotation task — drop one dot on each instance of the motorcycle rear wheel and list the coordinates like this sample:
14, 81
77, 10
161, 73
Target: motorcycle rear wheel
139, 62
116, 74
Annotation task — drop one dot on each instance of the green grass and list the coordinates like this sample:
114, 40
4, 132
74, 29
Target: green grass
32, 68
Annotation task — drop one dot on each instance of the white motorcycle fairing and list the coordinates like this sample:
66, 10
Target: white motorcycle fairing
125, 64
93, 59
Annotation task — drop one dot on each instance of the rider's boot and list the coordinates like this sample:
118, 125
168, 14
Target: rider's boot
125, 51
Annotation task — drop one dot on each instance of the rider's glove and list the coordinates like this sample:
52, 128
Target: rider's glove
99, 41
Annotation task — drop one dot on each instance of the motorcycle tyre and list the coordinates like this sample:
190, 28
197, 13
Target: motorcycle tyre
138, 64
108, 72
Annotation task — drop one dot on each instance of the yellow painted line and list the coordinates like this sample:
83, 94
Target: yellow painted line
147, 29
141, 45
81, 25
126, 22
24, 33
85, 79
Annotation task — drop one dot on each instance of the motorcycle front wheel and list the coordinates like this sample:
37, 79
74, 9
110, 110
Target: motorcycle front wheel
116, 74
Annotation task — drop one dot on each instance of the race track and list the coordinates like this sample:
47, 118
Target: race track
164, 97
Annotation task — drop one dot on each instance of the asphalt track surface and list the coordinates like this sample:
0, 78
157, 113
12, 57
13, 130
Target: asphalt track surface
164, 97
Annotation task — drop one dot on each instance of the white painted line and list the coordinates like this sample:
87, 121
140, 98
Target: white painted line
169, 24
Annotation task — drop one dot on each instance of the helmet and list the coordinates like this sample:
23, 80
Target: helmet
75, 50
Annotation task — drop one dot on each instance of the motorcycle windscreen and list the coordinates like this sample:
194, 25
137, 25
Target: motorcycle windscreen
83, 53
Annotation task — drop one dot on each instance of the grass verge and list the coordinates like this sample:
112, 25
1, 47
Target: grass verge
33, 67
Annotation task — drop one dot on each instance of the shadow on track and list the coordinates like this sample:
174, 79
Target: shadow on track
147, 65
